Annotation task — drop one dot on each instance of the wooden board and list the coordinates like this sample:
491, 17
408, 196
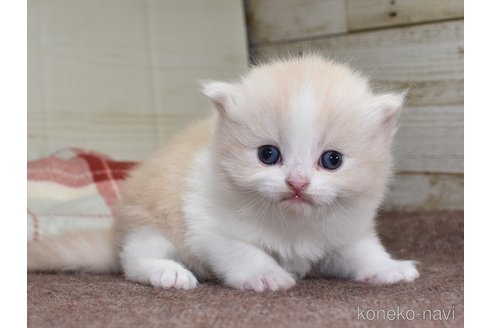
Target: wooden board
367, 14
287, 20
427, 59
283, 20
430, 139
122, 135
121, 76
418, 191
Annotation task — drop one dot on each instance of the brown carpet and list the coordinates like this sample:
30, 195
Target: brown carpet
434, 239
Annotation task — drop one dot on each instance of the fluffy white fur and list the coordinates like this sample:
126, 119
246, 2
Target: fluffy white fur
148, 257
207, 205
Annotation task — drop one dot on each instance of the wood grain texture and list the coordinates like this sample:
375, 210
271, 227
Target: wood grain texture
367, 14
283, 20
425, 59
286, 20
122, 76
430, 139
122, 135
418, 191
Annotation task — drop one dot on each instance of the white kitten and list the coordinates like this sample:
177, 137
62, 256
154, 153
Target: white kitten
284, 181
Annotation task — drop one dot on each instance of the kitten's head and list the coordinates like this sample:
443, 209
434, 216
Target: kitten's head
304, 134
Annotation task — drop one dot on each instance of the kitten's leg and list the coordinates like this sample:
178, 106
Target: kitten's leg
367, 261
242, 265
299, 267
148, 257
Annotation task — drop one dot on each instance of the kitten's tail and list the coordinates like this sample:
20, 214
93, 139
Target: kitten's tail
89, 251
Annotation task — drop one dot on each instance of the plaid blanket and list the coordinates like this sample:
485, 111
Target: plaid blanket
72, 189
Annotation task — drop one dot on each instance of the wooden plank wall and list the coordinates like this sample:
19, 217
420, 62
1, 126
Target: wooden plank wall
414, 44
121, 77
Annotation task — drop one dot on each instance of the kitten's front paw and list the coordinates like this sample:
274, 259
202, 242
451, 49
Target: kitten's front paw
266, 281
173, 276
393, 272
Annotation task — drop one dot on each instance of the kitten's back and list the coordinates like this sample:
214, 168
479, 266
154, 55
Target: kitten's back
152, 195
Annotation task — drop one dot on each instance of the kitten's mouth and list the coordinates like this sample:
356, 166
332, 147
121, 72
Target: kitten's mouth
296, 198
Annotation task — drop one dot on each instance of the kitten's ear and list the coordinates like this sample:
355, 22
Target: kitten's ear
222, 94
390, 106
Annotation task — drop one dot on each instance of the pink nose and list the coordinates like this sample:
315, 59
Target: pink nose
297, 184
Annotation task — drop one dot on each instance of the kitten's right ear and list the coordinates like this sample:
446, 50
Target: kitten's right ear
222, 94
390, 106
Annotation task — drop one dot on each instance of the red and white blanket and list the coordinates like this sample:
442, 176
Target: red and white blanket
72, 189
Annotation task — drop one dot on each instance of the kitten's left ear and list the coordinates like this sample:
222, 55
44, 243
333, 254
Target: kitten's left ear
222, 94
390, 106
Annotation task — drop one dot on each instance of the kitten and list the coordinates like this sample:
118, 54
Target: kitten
283, 181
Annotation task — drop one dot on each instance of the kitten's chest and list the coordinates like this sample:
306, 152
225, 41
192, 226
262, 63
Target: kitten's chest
293, 247
299, 259
298, 243
300, 254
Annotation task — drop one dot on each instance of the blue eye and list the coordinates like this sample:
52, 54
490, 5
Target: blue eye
269, 155
331, 160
